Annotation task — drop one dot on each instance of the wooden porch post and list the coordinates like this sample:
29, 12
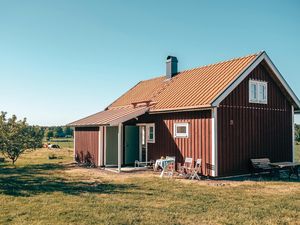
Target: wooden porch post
120, 146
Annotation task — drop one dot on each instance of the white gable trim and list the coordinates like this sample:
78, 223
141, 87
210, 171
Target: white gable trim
247, 71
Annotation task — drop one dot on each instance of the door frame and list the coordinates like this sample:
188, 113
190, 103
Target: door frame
105, 146
146, 139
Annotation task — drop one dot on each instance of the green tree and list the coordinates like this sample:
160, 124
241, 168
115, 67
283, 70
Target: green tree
58, 132
49, 134
16, 136
68, 131
297, 132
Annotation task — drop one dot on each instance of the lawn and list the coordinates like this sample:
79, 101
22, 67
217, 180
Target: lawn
43, 191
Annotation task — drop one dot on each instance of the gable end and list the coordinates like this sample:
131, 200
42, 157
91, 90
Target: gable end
264, 59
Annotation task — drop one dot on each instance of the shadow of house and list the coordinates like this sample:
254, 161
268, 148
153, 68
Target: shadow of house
35, 179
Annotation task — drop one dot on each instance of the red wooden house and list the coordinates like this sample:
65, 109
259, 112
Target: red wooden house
224, 113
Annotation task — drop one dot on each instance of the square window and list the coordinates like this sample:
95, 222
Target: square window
181, 130
258, 92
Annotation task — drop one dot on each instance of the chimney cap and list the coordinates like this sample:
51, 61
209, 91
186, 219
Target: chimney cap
172, 58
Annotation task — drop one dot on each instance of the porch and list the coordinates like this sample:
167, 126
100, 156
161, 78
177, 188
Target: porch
123, 145
107, 140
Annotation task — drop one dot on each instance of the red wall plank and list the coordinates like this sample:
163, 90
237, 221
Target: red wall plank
87, 143
197, 145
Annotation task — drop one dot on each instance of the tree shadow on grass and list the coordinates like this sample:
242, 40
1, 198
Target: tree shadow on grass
35, 179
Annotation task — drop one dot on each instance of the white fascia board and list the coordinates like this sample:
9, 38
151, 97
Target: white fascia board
282, 80
240, 78
247, 71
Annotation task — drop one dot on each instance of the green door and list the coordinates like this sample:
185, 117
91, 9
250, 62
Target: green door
111, 145
131, 144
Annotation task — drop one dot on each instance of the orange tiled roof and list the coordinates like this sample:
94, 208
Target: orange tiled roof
195, 88
143, 91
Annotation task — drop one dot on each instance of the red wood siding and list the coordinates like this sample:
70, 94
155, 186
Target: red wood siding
87, 143
197, 145
247, 130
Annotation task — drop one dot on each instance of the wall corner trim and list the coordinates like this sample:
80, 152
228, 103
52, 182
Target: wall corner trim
214, 142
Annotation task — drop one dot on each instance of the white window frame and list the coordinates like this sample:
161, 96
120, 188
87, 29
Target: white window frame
258, 85
148, 133
181, 135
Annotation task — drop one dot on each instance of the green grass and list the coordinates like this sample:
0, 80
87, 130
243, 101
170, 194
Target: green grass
43, 191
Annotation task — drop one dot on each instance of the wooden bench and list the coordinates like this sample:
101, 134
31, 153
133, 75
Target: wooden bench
261, 165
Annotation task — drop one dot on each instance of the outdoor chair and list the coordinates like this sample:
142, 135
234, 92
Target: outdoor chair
185, 169
196, 170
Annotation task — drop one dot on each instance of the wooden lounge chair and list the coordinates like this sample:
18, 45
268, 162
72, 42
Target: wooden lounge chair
196, 170
261, 165
186, 168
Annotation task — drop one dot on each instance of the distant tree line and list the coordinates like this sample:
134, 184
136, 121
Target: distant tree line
58, 132
297, 132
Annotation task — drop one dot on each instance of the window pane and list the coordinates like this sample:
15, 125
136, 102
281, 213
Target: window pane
262, 93
261, 90
143, 136
181, 129
151, 133
253, 92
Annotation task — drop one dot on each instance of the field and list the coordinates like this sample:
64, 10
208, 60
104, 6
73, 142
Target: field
62, 142
43, 191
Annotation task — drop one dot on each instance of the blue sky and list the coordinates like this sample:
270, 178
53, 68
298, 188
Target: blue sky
62, 60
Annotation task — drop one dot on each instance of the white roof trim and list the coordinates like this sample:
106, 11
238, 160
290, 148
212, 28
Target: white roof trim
247, 71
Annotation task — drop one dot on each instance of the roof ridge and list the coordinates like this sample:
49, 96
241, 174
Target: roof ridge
160, 84
212, 64
153, 78
224, 61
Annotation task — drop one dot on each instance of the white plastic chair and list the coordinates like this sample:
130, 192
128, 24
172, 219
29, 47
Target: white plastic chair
196, 170
185, 170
